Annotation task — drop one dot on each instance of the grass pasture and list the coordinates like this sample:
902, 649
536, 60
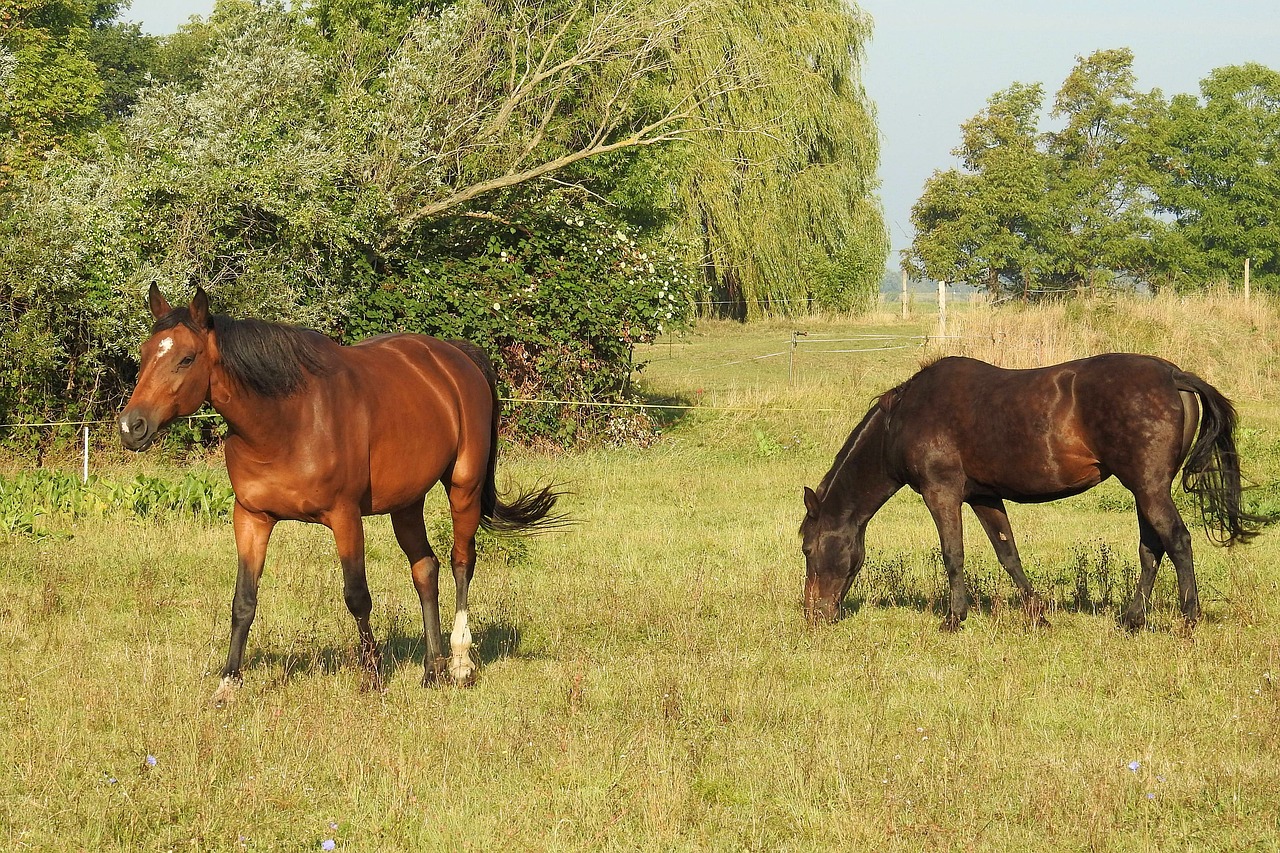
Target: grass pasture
649, 683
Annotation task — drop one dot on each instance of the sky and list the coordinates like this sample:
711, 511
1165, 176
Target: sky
932, 64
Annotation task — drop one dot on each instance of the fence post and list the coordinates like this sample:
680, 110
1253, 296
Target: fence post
905, 312
791, 357
85, 473
1246, 279
942, 309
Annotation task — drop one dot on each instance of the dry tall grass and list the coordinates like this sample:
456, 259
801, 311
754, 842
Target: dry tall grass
1226, 340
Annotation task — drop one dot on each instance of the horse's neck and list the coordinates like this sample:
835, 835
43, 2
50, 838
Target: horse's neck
860, 482
259, 423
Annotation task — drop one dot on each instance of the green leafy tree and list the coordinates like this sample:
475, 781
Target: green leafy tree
1031, 212
1100, 196
984, 223
52, 88
1219, 178
264, 180
778, 196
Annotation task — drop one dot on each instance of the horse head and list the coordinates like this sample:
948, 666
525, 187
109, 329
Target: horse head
175, 367
833, 552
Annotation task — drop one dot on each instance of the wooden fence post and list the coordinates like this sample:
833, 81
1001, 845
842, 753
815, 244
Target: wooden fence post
942, 309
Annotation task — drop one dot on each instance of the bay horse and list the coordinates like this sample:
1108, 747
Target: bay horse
324, 433
963, 431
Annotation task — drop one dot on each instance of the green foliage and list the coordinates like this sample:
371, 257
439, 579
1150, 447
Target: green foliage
360, 167
27, 499
1219, 177
562, 295
981, 225
1130, 190
778, 202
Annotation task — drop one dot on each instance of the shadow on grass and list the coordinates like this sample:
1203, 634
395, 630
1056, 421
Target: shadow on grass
1162, 616
664, 418
492, 641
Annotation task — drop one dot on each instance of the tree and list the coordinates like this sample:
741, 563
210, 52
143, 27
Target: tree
1219, 177
779, 196
1032, 211
266, 180
52, 88
984, 223
1100, 194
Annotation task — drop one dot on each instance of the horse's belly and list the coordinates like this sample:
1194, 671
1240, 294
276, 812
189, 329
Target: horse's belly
1054, 482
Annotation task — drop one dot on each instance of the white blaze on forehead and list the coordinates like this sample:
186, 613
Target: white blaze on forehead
166, 344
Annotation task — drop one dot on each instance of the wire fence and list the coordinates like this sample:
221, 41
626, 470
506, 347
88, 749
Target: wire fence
813, 346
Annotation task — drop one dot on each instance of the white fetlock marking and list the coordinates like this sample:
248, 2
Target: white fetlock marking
460, 665
226, 689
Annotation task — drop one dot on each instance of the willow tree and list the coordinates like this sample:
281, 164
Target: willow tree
779, 193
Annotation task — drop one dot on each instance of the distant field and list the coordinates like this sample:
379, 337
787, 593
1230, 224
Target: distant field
649, 683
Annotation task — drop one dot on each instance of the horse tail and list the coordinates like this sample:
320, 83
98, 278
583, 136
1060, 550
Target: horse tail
527, 510
1212, 469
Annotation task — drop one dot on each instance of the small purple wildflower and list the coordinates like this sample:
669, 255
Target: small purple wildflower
328, 844
1150, 796
151, 761
1134, 765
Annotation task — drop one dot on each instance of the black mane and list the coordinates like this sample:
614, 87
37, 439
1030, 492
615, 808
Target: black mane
271, 359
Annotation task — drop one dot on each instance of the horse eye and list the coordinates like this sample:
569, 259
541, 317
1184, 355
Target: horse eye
186, 362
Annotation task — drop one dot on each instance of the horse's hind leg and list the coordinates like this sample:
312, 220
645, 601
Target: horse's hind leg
411, 533
348, 533
1150, 552
464, 506
1161, 530
995, 521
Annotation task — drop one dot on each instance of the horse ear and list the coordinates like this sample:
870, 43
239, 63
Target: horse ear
200, 309
811, 502
157, 303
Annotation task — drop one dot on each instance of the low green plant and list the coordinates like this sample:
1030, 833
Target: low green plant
29, 496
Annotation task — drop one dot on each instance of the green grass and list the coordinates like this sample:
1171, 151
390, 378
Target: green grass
649, 683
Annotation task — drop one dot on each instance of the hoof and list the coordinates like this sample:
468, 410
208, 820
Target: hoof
1035, 610
371, 681
371, 678
463, 670
951, 625
435, 672
1132, 622
226, 692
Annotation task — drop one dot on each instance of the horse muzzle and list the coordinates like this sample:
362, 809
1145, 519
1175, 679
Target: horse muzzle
136, 431
818, 610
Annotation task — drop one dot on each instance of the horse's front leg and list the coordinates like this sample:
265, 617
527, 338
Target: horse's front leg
252, 531
411, 533
945, 510
348, 533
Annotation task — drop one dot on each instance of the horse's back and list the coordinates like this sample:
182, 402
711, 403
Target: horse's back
428, 408
1039, 433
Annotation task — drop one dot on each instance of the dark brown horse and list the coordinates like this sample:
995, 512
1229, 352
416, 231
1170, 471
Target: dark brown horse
328, 434
963, 431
